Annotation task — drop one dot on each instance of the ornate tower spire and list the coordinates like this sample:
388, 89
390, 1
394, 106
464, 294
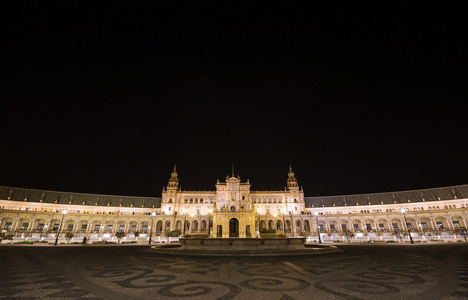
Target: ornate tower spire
292, 181
173, 181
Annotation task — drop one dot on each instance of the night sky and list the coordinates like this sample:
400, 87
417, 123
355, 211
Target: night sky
358, 98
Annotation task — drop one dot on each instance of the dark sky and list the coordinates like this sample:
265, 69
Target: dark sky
357, 97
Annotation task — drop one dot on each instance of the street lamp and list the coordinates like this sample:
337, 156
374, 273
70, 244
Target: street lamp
64, 212
318, 228
185, 220
210, 211
403, 211
151, 229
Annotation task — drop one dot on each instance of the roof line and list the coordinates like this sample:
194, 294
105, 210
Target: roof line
77, 193
379, 193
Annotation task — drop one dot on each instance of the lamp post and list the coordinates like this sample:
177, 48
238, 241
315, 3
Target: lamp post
210, 211
151, 229
185, 220
318, 228
64, 212
403, 211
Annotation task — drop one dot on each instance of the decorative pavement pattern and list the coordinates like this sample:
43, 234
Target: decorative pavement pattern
133, 272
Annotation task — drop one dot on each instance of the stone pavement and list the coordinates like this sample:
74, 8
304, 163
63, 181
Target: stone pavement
360, 272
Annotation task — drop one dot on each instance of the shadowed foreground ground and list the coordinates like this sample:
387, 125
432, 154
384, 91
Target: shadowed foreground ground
360, 272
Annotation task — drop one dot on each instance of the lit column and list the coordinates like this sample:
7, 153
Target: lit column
422, 230
259, 225
191, 226
64, 212
45, 230
210, 211
185, 220
151, 229
284, 221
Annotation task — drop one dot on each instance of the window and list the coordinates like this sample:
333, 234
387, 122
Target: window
145, 228
409, 226
133, 227
343, 227
381, 226
122, 228
185, 200
70, 227
368, 227
394, 226
320, 227
84, 227
332, 227
8, 225
40, 226
97, 227
456, 224
109, 227
440, 225
56, 227
423, 225
356, 226
25, 226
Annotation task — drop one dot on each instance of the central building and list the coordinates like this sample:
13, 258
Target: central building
232, 210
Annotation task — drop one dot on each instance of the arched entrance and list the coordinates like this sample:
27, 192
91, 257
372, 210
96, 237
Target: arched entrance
233, 227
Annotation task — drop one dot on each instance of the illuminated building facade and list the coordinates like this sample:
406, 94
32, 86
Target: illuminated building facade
233, 209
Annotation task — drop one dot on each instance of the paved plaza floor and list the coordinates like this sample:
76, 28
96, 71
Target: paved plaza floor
436, 271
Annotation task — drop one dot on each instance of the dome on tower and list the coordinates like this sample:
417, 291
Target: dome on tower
292, 181
174, 181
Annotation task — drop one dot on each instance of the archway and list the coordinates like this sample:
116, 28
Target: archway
271, 225
159, 226
233, 227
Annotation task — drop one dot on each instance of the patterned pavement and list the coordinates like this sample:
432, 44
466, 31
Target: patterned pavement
133, 272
